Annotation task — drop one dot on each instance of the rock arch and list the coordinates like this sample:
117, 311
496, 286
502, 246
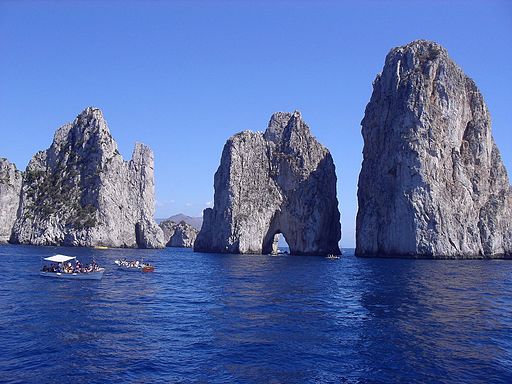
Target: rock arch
282, 181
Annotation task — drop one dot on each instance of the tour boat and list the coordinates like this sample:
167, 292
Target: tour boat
60, 273
134, 266
333, 257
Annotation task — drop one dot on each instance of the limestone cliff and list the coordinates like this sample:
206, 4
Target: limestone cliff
282, 181
80, 191
178, 234
10, 189
432, 182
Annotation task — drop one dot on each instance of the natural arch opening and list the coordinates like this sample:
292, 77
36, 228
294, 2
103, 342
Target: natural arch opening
275, 244
282, 245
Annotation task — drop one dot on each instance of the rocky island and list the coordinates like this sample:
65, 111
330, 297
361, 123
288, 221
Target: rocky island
282, 181
178, 234
432, 182
80, 191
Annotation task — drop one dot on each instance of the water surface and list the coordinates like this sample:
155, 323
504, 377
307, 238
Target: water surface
255, 319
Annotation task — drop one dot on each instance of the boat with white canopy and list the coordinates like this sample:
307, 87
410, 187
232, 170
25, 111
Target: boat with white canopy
60, 266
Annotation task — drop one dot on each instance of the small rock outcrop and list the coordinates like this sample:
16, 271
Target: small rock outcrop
10, 189
432, 182
195, 222
282, 181
80, 191
178, 234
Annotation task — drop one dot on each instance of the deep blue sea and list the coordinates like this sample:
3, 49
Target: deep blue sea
208, 318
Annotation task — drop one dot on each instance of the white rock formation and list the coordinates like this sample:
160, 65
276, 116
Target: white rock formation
178, 234
432, 182
10, 188
282, 181
80, 192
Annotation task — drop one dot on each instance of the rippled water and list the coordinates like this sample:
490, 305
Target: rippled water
251, 319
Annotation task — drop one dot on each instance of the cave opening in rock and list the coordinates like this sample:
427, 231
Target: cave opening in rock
138, 235
282, 244
275, 243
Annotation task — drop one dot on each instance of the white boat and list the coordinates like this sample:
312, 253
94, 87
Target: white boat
58, 272
96, 275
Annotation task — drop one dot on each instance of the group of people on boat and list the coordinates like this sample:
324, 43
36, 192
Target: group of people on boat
135, 264
70, 268
130, 263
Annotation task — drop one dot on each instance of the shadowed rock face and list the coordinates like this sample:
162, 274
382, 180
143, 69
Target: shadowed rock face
80, 192
10, 189
282, 181
432, 182
178, 234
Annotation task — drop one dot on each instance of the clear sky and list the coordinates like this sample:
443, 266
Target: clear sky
184, 76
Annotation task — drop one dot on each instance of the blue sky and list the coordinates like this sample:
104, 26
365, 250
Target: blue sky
184, 76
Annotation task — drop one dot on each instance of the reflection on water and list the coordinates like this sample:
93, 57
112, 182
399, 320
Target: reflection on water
438, 319
236, 318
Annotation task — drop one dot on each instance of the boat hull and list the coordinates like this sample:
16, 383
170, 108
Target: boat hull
75, 276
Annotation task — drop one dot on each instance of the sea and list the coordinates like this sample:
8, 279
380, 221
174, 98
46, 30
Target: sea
212, 318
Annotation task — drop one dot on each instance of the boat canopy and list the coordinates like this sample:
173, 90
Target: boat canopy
59, 258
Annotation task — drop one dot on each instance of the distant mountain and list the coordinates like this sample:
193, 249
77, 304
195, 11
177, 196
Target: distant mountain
196, 222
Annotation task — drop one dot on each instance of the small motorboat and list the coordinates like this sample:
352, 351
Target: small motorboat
59, 266
134, 266
332, 257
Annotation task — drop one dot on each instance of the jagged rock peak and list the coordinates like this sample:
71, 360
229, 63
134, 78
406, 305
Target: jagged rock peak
432, 183
80, 192
282, 123
419, 51
10, 189
280, 182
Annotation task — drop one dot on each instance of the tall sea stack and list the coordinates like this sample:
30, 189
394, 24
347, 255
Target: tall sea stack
80, 192
282, 181
10, 188
432, 182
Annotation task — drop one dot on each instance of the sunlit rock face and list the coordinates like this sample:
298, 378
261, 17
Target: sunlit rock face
80, 191
178, 234
10, 189
280, 181
432, 182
